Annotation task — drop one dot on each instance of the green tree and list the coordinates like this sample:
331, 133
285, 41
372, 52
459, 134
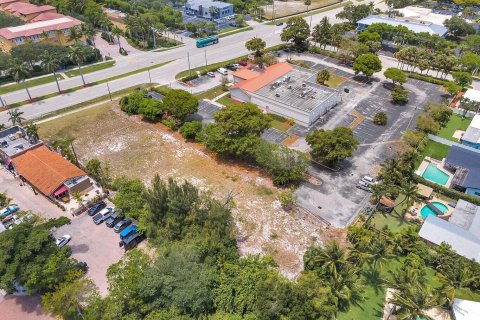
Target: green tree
131, 103
129, 198
367, 64
331, 146
322, 32
414, 301
380, 118
440, 112
332, 259
236, 130
151, 109
191, 129
9, 21
399, 94
15, 116
99, 171
76, 53
396, 75
75, 34
451, 87
296, 31
463, 79
19, 72
427, 124
117, 32
179, 103
459, 27
255, 45
287, 199
50, 64
322, 76
353, 13
32, 131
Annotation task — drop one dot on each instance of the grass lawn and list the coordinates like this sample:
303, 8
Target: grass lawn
279, 125
394, 220
227, 102
210, 94
334, 80
89, 69
456, 122
233, 31
435, 150
30, 83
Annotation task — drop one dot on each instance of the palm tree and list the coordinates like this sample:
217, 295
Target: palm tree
414, 301
75, 35
19, 71
50, 64
32, 131
410, 191
347, 288
77, 55
89, 30
333, 258
378, 254
117, 32
15, 116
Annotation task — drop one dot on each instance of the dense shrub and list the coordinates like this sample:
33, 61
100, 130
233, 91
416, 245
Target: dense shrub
451, 193
191, 129
426, 78
380, 118
131, 103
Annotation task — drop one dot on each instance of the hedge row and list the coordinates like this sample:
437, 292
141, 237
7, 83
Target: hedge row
426, 78
451, 193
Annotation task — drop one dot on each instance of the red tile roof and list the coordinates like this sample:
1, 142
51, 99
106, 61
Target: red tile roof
27, 8
246, 74
47, 16
44, 169
39, 27
7, 1
270, 74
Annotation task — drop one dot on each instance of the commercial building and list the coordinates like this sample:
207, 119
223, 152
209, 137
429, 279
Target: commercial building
207, 9
461, 232
25, 10
413, 25
471, 137
465, 163
56, 31
286, 90
423, 14
44, 170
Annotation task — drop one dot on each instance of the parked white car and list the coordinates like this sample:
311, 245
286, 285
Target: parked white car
63, 240
223, 71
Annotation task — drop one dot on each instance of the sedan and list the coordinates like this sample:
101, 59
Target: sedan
8, 210
211, 74
96, 208
63, 240
122, 224
279, 24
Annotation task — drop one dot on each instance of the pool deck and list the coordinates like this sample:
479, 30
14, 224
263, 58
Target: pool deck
440, 165
414, 211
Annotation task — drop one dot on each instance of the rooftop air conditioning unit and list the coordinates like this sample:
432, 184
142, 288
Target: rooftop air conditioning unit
277, 95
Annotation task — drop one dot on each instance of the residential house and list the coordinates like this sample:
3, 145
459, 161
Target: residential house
208, 9
471, 137
413, 25
286, 90
44, 170
465, 164
461, 231
56, 31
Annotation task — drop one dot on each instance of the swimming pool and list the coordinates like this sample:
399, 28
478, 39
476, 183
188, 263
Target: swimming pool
436, 175
426, 210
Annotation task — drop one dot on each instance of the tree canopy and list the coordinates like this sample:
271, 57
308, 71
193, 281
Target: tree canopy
331, 146
367, 64
296, 30
179, 103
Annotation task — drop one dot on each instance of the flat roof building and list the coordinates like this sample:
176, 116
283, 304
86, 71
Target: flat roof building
413, 25
284, 89
423, 14
208, 9
471, 137
465, 163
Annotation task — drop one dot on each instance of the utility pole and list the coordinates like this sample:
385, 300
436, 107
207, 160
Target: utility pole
189, 69
74, 153
149, 76
3, 103
109, 93
206, 58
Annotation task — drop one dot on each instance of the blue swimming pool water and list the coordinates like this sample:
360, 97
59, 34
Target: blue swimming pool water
434, 174
426, 211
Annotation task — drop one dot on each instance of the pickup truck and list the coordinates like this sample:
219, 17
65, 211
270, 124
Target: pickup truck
130, 237
103, 215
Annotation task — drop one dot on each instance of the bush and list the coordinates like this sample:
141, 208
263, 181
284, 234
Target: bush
380, 118
131, 103
399, 95
451, 193
426, 78
151, 109
287, 199
190, 130
171, 123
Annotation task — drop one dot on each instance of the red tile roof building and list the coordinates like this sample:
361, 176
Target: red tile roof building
27, 11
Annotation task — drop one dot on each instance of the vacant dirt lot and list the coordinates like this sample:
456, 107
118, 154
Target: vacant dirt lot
138, 149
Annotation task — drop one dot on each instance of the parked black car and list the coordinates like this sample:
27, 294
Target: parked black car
96, 208
83, 265
113, 220
122, 224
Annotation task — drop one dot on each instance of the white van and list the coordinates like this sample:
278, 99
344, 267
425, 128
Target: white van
223, 71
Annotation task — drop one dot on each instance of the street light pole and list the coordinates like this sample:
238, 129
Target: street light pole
206, 58
109, 93
189, 69
149, 76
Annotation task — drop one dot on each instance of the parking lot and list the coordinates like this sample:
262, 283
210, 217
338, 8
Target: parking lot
274, 135
336, 199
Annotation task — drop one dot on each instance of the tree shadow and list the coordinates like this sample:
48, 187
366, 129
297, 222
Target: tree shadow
374, 279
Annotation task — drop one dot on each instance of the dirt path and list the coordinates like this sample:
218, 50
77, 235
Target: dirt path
138, 149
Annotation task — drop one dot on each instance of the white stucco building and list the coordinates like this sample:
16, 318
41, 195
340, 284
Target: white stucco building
286, 90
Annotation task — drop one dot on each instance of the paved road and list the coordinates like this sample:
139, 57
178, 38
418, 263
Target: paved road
229, 47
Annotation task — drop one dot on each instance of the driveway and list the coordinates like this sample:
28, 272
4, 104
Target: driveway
97, 245
22, 307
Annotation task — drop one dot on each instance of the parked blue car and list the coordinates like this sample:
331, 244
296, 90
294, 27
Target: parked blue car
11, 209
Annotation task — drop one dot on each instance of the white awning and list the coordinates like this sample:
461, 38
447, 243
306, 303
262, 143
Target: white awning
465, 310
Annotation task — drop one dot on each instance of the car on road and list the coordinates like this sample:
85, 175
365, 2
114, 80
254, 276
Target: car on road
63, 240
211, 74
368, 180
364, 186
96, 208
113, 219
122, 224
279, 24
11, 209
103, 215
223, 71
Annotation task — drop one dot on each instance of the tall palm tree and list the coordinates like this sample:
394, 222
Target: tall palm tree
117, 32
19, 71
414, 301
32, 131
347, 288
50, 64
378, 254
333, 258
75, 35
15, 116
89, 31
410, 191
77, 55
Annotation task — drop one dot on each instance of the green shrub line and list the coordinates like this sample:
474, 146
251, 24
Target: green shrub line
451, 193
426, 78
229, 33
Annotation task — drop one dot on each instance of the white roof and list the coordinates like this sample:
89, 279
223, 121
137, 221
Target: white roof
472, 94
414, 26
466, 310
475, 122
424, 14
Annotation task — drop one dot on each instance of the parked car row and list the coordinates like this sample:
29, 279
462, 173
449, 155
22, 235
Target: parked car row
366, 183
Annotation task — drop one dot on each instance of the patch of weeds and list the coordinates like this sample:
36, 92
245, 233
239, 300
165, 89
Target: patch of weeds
264, 191
273, 236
